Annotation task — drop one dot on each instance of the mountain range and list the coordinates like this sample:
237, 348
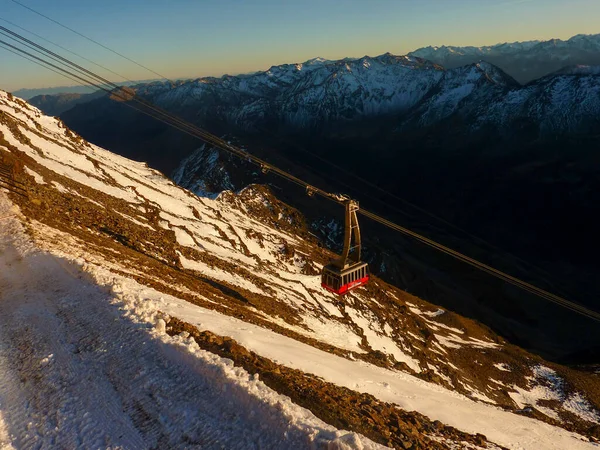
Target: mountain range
525, 61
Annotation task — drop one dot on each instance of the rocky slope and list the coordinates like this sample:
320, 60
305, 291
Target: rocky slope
245, 265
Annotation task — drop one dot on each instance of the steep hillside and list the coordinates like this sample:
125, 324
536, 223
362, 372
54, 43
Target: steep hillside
243, 266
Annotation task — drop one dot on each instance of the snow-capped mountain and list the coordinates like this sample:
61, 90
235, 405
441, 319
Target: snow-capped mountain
313, 94
561, 104
525, 61
468, 85
329, 96
451, 53
112, 274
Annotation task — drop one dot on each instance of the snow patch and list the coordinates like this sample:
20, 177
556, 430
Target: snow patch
502, 366
581, 407
36, 176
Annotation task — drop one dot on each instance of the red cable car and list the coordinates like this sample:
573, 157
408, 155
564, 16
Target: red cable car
348, 272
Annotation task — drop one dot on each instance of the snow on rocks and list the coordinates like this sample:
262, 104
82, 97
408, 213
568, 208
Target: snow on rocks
408, 392
502, 366
582, 408
547, 386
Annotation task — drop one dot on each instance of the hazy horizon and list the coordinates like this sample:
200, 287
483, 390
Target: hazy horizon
70, 86
185, 39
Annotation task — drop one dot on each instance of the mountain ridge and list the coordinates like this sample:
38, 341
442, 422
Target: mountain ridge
525, 61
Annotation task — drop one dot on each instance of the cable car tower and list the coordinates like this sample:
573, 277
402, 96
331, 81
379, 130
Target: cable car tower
347, 272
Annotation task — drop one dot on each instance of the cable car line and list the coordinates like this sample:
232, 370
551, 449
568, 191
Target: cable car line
304, 150
406, 202
88, 38
492, 271
66, 49
33, 47
188, 128
168, 116
264, 167
71, 75
41, 65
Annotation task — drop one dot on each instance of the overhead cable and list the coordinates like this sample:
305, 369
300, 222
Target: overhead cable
88, 38
130, 99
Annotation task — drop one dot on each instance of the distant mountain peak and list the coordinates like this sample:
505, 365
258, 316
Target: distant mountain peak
317, 60
525, 61
496, 74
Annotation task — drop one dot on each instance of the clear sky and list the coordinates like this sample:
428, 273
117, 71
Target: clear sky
192, 38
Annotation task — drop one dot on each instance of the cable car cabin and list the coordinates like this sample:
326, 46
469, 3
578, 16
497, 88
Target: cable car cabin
347, 272
342, 281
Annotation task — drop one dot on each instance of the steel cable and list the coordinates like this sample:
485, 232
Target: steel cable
163, 116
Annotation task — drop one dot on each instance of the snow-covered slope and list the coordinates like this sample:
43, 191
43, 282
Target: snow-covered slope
80, 369
108, 253
472, 84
